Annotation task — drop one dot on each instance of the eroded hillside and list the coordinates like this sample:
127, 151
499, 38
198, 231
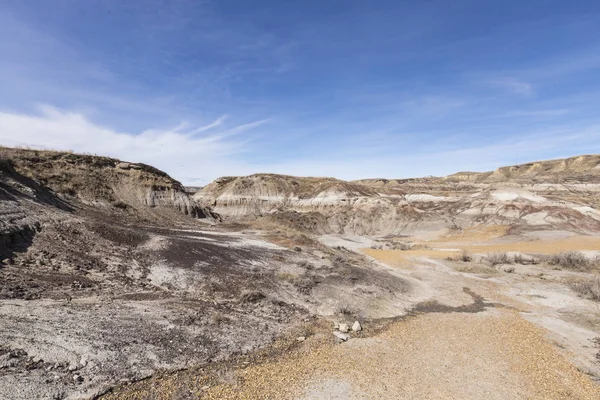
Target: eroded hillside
115, 283
543, 195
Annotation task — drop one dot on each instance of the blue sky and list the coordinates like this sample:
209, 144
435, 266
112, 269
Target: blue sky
351, 89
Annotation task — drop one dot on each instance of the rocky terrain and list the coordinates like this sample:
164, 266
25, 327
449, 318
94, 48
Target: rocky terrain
117, 283
546, 195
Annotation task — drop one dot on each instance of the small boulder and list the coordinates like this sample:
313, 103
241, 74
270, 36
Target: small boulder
301, 338
342, 336
356, 327
343, 328
77, 378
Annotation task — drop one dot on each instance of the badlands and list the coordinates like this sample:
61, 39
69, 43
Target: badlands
117, 282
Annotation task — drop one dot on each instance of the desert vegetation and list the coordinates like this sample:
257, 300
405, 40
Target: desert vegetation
588, 288
574, 260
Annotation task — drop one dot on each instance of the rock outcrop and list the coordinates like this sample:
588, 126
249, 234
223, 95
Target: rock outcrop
104, 181
554, 194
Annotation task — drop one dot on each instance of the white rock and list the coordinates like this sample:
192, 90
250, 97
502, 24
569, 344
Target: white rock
343, 328
356, 326
341, 335
301, 338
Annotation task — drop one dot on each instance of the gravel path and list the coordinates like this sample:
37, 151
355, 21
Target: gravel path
493, 355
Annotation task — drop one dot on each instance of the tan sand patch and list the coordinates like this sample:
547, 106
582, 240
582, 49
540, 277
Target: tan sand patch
540, 246
403, 258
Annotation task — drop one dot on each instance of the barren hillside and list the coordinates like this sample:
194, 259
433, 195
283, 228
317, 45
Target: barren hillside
549, 194
115, 283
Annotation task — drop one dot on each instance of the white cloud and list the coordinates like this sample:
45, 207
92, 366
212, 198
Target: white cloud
198, 160
185, 157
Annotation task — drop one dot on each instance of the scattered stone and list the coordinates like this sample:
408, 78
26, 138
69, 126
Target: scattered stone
343, 328
72, 367
301, 338
356, 327
342, 336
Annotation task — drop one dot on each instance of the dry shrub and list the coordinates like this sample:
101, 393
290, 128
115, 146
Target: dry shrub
575, 260
498, 259
464, 256
305, 265
340, 260
401, 246
588, 288
520, 259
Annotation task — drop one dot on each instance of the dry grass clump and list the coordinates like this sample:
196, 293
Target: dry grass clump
305, 265
340, 261
465, 256
588, 288
574, 260
498, 259
520, 259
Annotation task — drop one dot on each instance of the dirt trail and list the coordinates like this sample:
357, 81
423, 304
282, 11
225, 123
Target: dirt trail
495, 354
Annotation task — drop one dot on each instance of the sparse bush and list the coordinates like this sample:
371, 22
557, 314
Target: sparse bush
571, 260
401, 246
339, 260
305, 265
589, 288
498, 259
121, 205
253, 296
520, 259
344, 309
465, 256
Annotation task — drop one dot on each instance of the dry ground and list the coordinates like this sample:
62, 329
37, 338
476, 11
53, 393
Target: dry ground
493, 335
492, 355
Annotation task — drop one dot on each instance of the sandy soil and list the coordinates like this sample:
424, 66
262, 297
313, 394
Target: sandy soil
493, 354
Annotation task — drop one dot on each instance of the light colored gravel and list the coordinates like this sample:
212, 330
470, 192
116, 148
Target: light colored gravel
491, 355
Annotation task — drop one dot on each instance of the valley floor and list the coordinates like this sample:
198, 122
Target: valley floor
514, 331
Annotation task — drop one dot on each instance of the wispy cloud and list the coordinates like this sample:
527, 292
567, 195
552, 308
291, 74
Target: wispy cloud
514, 86
212, 125
172, 150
